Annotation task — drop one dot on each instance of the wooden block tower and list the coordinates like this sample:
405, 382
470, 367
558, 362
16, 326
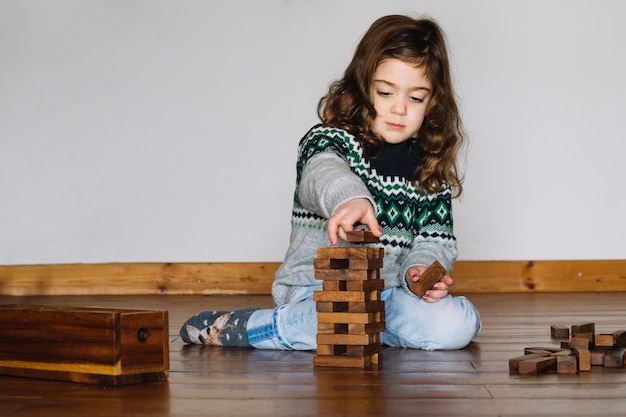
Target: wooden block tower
350, 313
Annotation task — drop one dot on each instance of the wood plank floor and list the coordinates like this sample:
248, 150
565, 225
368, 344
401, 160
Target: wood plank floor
246, 382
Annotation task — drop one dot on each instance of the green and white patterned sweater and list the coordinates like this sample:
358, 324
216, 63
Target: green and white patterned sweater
332, 169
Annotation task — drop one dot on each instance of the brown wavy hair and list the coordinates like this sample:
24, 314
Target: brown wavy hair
348, 104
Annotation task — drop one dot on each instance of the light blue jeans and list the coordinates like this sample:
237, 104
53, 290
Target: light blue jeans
448, 324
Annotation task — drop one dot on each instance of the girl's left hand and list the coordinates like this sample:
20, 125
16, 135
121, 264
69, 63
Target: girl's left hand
439, 290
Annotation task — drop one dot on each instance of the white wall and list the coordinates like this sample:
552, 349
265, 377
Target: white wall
164, 130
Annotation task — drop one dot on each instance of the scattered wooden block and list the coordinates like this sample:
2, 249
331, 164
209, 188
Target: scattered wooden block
566, 364
107, 346
429, 277
620, 338
604, 340
538, 365
514, 362
583, 328
559, 332
614, 358
579, 343
579, 353
564, 352
597, 357
542, 349
584, 359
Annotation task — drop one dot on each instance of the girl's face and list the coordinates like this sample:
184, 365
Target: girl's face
400, 93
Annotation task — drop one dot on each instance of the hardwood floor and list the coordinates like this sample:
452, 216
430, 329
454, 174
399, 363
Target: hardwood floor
245, 382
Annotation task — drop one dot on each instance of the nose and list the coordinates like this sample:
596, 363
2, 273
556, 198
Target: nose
398, 107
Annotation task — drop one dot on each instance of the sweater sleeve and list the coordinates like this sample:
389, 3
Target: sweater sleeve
327, 182
435, 240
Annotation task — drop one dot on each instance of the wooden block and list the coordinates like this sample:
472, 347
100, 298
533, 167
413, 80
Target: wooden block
565, 344
346, 296
368, 328
614, 358
332, 350
350, 253
531, 351
347, 274
106, 346
361, 236
355, 318
351, 307
596, 357
364, 350
620, 338
329, 306
564, 352
354, 286
537, 365
579, 343
429, 277
559, 332
374, 284
348, 361
347, 339
357, 264
514, 362
604, 340
584, 359
541, 349
366, 307
583, 328
566, 364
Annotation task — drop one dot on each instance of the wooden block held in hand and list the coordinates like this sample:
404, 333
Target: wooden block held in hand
361, 236
429, 277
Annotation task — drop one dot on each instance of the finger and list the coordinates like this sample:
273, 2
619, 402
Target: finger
372, 223
341, 232
432, 296
447, 280
332, 231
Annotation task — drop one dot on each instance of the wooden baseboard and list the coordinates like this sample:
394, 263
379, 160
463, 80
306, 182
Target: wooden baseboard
256, 278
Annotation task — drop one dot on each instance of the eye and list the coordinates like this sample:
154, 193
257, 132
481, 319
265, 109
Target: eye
383, 93
416, 99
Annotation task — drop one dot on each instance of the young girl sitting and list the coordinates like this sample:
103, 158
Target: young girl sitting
384, 158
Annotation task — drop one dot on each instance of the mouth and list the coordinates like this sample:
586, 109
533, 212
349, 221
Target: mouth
394, 126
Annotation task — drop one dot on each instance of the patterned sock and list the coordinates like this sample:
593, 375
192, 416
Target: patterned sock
218, 328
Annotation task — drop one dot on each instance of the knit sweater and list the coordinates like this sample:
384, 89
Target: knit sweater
332, 168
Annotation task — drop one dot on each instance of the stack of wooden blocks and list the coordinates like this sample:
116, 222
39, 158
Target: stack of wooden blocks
583, 349
351, 314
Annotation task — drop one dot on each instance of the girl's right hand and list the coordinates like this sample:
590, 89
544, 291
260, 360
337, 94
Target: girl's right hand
351, 212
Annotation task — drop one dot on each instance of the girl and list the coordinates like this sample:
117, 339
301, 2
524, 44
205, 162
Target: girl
384, 158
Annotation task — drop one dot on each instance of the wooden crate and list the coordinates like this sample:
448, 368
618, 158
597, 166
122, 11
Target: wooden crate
106, 346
